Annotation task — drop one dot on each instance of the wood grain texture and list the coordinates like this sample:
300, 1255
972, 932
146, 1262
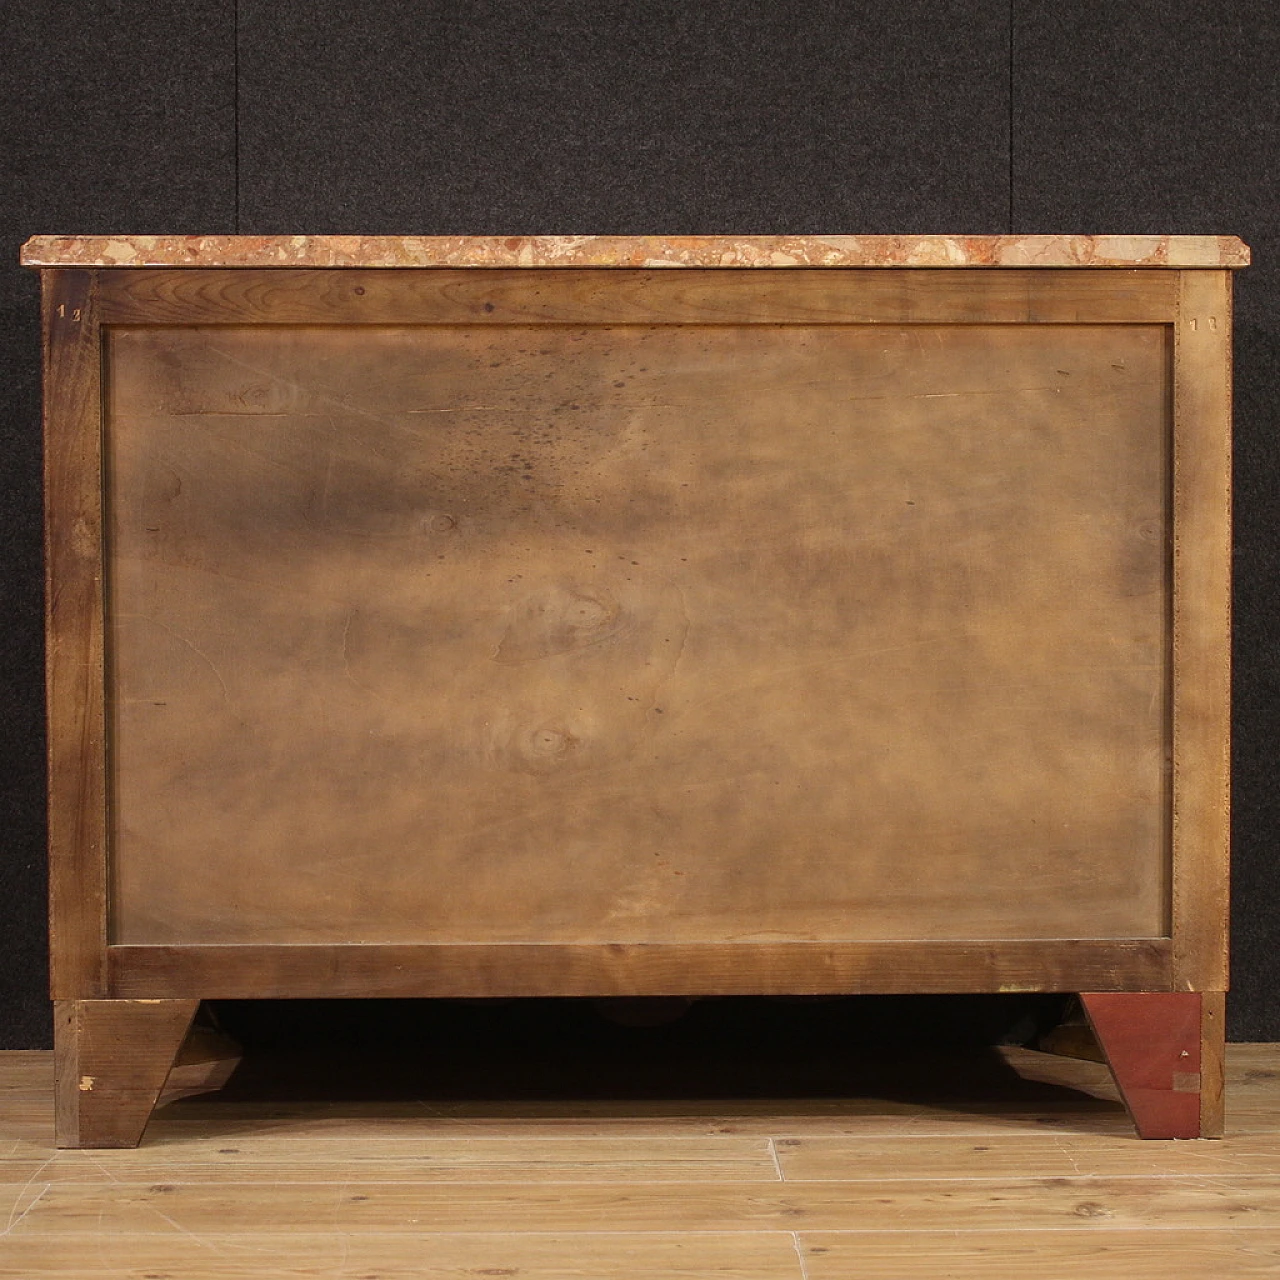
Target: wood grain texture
1029, 1154
228, 971
638, 634
936, 1204
863, 1117
112, 1057
1202, 630
74, 558
594, 1157
1065, 1254
319, 1255
1220, 1253
355, 297
1153, 1046
1213, 1053
509, 1161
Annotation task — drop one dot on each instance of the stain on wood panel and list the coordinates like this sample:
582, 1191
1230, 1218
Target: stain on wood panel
591, 634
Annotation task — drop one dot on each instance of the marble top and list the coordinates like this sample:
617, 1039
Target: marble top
635, 251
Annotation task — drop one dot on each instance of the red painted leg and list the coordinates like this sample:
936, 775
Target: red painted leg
1165, 1050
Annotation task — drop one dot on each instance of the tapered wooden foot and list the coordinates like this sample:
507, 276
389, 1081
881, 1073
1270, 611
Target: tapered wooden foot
205, 1063
111, 1058
1166, 1051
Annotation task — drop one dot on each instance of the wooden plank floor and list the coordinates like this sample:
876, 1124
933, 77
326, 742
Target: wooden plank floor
1044, 1178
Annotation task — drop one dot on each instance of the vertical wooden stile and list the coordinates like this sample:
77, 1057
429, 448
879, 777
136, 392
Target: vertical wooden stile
1201, 629
74, 630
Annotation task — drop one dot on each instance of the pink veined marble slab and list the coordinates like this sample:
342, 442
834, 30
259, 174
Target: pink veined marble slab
635, 251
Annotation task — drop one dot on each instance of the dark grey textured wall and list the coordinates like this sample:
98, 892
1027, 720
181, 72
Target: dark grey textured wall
475, 116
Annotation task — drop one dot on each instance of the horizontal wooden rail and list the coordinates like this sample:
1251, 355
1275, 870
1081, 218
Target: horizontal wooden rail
627, 969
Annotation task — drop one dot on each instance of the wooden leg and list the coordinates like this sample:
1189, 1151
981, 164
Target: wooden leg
111, 1058
205, 1062
1213, 1055
1165, 1050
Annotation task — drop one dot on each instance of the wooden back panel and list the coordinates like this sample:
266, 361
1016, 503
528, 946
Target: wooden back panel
597, 632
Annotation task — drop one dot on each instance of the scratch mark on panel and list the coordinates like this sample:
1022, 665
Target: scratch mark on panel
346, 658
164, 626
837, 661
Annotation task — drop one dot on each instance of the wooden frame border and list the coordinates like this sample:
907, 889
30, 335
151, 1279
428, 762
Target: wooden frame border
651, 968
1201, 660
573, 296
78, 302
75, 672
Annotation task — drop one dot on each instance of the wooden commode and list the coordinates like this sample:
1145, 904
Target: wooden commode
637, 616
